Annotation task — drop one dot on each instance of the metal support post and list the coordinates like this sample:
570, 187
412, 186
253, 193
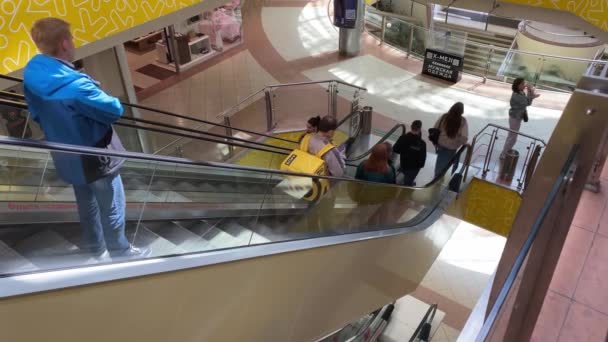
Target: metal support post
174, 51
488, 158
333, 99
269, 109
383, 30
229, 134
410, 42
593, 184
539, 70
488, 64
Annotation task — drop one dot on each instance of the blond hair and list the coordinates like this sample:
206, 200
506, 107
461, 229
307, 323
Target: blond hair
48, 33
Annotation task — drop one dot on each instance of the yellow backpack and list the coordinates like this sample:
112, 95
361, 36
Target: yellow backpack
300, 161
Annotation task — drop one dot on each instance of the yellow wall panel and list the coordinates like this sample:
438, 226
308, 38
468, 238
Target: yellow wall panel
593, 11
91, 20
491, 206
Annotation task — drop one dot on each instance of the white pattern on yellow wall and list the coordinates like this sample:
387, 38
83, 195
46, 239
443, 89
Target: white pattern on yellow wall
91, 20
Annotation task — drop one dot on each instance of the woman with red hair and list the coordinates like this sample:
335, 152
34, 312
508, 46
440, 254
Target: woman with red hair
377, 168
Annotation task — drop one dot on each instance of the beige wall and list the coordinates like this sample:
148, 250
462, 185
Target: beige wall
298, 296
572, 70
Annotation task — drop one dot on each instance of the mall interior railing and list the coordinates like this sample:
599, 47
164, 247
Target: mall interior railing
487, 147
543, 70
285, 106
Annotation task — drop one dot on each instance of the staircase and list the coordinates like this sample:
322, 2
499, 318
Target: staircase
477, 49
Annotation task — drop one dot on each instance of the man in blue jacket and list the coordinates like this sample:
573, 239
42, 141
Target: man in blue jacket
72, 109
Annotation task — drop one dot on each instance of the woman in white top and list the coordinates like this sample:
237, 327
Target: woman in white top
453, 133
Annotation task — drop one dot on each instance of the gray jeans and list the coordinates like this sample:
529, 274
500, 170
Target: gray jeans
514, 124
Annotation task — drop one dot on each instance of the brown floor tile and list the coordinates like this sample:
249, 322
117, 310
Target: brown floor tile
584, 324
592, 289
571, 261
551, 319
588, 212
603, 227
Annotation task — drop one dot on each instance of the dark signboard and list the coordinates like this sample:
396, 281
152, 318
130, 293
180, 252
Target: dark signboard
442, 65
345, 13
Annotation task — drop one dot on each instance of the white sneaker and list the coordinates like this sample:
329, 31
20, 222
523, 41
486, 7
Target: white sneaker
103, 257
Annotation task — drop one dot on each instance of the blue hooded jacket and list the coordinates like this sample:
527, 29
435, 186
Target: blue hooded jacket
72, 109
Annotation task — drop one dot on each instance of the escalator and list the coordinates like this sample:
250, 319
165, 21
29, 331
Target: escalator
195, 214
228, 246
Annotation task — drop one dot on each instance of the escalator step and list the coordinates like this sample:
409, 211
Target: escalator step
198, 227
220, 239
158, 245
180, 236
13, 262
48, 249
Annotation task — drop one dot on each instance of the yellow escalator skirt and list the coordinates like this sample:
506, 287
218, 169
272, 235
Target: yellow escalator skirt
491, 206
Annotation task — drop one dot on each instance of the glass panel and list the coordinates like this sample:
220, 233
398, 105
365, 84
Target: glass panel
476, 59
452, 42
293, 105
177, 208
373, 22
348, 97
397, 33
520, 65
419, 43
561, 74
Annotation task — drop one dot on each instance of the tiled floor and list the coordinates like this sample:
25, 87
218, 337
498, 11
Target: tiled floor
459, 275
576, 306
293, 41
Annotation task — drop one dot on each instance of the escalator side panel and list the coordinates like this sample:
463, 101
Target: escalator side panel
297, 296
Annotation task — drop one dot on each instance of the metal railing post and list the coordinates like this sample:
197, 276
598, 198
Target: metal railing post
269, 109
530, 148
27, 122
488, 159
383, 30
333, 95
488, 64
593, 184
539, 69
410, 42
229, 134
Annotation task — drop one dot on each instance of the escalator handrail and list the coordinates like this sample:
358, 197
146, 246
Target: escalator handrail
58, 147
190, 136
225, 113
315, 82
264, 148
383, 139
160, 111
261, 146
167, 113
432, 182
151, 122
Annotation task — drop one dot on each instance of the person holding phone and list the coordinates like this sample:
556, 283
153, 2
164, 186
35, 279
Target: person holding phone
522, 97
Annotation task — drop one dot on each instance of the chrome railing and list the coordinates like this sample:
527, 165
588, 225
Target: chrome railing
484, 150
274, 103
543, 70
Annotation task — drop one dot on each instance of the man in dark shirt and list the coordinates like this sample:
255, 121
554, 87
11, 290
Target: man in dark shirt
412, 150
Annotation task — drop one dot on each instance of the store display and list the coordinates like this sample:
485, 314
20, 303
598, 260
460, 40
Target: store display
198, 38
222, 21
